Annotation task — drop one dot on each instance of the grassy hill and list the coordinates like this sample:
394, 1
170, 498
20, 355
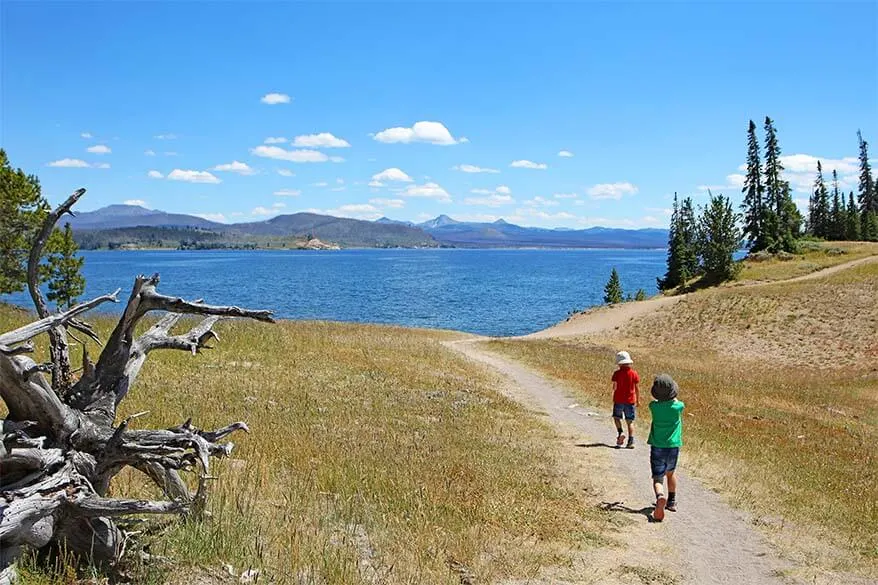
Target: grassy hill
781, 387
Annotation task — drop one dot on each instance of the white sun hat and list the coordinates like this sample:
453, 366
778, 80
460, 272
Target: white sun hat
623, 359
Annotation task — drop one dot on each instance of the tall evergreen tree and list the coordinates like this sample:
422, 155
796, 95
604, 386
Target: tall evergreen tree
719, 237
781, 217
852, 217
753, 190
63, 268
818, 212
837, 212
22, 210
674, 275
689, 228
867, 198
613, 289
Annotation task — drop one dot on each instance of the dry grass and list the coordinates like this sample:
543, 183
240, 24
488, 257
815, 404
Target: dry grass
793, 444
375, 455
813, 256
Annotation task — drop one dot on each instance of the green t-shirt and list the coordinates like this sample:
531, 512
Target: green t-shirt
667, 423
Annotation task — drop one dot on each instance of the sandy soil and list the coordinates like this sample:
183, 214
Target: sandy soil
611, 317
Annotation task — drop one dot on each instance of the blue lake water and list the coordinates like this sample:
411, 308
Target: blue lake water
491, 292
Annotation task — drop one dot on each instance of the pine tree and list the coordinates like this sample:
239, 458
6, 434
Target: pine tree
867, 198
689, 229
781, 217
818, 212
753, 205
63, 268
640, 295
22, 209
837, 212
852, 217
613, 289
674, 275
719, 238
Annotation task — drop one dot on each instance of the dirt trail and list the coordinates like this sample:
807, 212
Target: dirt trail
607, 318
705, 542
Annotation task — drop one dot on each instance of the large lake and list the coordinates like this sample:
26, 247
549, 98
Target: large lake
492, 292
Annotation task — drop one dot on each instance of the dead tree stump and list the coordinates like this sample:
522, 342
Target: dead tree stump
61, 445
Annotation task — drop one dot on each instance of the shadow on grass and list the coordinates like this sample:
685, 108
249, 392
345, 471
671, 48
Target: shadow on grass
621, 507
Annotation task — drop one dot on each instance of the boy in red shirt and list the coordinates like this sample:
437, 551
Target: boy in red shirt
626, 396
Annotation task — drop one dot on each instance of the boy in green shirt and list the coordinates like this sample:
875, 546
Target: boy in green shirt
665, 440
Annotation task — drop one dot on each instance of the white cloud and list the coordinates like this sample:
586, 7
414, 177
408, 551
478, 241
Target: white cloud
165, 137
70, 163
611, 190
322, 140
320, 184
218, 217
352, 210
543, 215
288, 193
149, 152
275, 140
500, 195
528, 164
430, 132
565, 195
340, 181
275, 98
427, 190
565, 154
392, 203
801, 170
155, 175
235, 167
493, 200
286, 173
296, 156
391, 174
473, 169
471, 217
279, 205
99, 149
101, 165
86, 135
376, 184
138, 202
261, 211
541, 202
192, 176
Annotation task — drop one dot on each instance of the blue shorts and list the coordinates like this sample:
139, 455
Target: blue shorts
662, 460
626, 409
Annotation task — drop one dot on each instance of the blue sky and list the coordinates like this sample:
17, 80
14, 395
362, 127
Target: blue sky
165, 104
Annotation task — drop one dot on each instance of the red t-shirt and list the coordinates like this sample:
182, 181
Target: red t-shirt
625, 378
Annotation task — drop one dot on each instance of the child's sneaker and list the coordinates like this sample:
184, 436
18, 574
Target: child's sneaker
630, 444
671, 506
620, 440
659, 513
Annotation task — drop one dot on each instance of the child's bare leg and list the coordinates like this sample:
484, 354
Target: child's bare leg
630, 428
672, 482
618, 423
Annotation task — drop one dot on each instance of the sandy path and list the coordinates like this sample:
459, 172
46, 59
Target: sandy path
606, 318
705, 542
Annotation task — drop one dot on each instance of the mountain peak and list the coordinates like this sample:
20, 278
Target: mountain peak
439, 221
501, 221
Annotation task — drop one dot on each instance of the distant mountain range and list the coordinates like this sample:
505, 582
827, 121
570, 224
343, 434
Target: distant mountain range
135, 226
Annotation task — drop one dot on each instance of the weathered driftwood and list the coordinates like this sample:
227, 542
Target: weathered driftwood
61, 445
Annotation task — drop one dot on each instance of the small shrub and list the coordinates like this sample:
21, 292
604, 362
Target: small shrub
761, 256
784, 256
835, 251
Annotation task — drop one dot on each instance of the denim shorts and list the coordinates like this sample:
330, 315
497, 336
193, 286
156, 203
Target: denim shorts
626, 409
662, 460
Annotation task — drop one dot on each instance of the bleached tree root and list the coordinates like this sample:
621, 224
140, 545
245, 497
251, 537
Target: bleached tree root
61, 445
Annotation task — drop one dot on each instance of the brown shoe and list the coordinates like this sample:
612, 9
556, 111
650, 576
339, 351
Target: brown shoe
659, 513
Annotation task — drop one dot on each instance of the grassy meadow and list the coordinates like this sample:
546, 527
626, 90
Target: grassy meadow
375, 455
781, 391
812, 256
